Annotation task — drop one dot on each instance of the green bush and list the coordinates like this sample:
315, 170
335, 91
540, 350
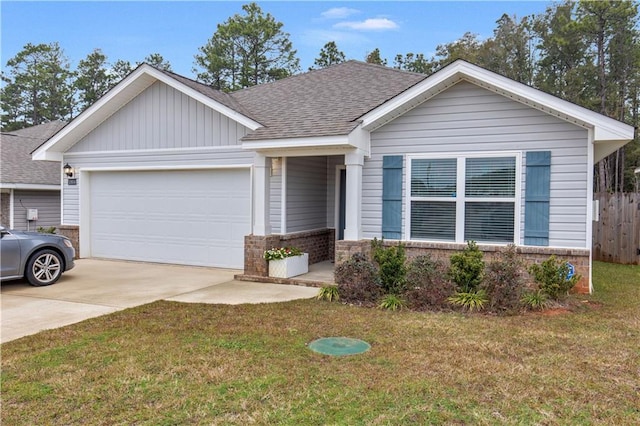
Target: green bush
47, 230
470, 300
535, 300
392, 302
329, 293
427, 284
505, 281
551, 276
358, 280
467, 268
391, 265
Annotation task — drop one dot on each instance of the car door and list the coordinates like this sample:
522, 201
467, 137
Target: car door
9, 254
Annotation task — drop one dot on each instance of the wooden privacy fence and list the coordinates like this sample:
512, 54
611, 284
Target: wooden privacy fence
616, 236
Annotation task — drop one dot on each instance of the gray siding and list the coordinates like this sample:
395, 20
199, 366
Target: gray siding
160, 118
187, 158
306, 193
47, 203
467, 119
332, 165
275, 201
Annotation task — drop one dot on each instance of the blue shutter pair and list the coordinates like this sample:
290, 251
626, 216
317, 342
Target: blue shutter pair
537, 195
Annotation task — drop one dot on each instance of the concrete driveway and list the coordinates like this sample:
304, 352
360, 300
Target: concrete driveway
98, 287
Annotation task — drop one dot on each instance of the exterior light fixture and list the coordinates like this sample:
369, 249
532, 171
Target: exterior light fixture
68, 170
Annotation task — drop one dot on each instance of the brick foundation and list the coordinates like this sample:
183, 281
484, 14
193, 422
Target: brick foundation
442, 251
73, 233
319, 244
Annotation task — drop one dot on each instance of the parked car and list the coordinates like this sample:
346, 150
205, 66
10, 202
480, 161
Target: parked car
40, 258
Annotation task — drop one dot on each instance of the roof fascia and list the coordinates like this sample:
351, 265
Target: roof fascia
32, 186
606, 129
282, 145
131, 86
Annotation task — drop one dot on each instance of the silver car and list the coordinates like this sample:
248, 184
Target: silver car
40, 258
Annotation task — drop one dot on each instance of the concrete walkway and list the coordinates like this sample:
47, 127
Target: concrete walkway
98, 287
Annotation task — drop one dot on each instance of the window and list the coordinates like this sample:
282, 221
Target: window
464, 198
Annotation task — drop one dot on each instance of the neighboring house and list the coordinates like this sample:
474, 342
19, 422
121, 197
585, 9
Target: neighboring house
170, 170
26, 184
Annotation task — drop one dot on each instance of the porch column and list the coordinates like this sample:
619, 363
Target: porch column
261, 172
353, 211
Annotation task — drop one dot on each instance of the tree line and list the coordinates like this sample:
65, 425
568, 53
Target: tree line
586, 52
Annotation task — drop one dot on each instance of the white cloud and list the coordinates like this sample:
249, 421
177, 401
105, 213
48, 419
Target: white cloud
373, 24
339, 13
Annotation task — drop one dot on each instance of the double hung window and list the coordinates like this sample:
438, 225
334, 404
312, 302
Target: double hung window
463, 198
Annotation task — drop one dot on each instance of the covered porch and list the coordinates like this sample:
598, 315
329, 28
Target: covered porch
309, 199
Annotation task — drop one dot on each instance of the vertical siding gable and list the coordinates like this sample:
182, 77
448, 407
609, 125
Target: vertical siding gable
465, 119
162, 117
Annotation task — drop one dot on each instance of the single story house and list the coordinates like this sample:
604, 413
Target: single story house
29, 190
169, 170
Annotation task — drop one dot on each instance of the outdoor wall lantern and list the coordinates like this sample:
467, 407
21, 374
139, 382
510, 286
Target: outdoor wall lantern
68, 170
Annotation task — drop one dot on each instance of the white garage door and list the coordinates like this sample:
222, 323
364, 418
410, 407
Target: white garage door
183, 217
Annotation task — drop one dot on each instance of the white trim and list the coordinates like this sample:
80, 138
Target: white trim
297, 143
283, 196
11, 209
134, 84
589, 224
30, 186
336, 207
460, 199
606, 130
161, 168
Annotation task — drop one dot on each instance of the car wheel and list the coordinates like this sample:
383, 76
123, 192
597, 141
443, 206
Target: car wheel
44, 268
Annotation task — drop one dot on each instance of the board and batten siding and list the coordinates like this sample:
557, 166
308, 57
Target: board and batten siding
162, 117
275, 200
306, 193
47, 203
468, 119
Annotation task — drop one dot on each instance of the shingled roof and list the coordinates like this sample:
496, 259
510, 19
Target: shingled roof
324, 102
15, 151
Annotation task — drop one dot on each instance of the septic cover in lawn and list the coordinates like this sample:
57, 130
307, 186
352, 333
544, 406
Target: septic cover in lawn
338, 346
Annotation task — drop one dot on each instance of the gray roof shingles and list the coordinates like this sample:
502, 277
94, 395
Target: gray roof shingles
17, 167
324, 102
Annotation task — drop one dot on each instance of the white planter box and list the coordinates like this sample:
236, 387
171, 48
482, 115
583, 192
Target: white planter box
289, 266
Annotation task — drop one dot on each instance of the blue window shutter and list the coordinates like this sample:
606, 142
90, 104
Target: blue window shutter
392, 197
536, 202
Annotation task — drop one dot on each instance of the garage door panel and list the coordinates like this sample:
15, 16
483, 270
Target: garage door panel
185, 217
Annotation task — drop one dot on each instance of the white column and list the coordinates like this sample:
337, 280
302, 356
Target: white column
260, 194
353, 213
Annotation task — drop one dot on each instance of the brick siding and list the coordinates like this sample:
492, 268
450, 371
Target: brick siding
442, 251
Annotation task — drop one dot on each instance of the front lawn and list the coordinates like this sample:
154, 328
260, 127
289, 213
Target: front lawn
173, 363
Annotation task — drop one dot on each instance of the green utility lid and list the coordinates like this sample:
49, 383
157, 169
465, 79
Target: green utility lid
338, 346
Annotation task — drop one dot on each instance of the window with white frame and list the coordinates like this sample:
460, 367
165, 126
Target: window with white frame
463, 198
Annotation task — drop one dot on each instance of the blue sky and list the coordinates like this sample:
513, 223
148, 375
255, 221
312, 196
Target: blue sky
176, 29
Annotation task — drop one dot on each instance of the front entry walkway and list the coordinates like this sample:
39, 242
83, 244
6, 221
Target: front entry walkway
320, 274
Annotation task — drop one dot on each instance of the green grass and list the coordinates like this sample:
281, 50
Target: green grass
171, 363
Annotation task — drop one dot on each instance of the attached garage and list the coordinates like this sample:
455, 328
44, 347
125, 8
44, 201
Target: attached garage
189, 217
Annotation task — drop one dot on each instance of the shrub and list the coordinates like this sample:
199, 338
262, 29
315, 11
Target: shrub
504, 281
392, 266
551, 276
467, 268
328, 293
357, 280
471, 300
392, 302
535, 300
47, 230
428, 286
